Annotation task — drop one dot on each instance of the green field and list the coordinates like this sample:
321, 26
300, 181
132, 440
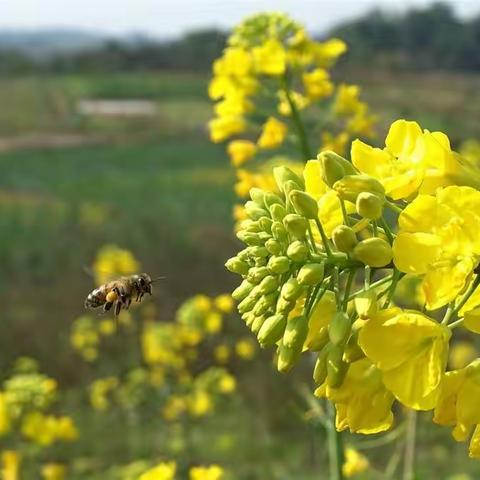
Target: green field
158, 187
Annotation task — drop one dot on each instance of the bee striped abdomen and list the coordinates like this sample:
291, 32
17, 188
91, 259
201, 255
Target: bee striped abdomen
96, 298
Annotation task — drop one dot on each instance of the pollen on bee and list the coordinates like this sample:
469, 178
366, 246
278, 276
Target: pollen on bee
111, 296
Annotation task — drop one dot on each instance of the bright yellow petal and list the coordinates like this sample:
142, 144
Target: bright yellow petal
402, 137
314, 184
372, 161
446, 408
414, 252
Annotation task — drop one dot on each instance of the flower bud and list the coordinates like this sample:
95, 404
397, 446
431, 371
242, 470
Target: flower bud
266, 224
247, 304
344, 238
353, 352
295, 332
258, 196
272, 330
311, 274
334, 167
257, 274
320, 369
253, 211
304, 204
296, 225
279, 232
249, 238
260, 262
366, 303
284, 306
264, 236
291, 289
257, 251
242, 290
339, 328
369, 205
244, 255
283, 174
272, 199
278, 212
278, 265
257, 323
350, 186
290, 186
268, 285
250, 226
273, 246
287, 357
336, 367
375, 252
264, 303
297, 251
235, 265
249, 318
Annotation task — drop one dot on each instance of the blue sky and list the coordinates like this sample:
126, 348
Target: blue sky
172, 17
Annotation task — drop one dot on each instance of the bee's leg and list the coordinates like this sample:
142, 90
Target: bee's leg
107, 306
123, 295
129, 301
118, 308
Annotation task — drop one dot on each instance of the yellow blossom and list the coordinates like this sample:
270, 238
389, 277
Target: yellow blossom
224, 127
336, 143
163, 471
213, 472
270, 58
113, 261
174, 407
326, 53
224, 303
213, 322
245, 349
5, 420
346, 100
227, 383
222, 353
299, 101
10, 465
317, 84
54, 471
461, 354
241, 151
200, 403
273, 134
355, 463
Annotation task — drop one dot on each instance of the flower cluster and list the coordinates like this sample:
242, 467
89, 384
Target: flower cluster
313, 250
168, 471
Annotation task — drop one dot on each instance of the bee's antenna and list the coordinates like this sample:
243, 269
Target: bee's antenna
156, 279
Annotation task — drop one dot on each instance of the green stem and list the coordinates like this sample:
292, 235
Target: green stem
452, 312
387, 230
373, 285
348, 287
409, 458
346, 220
391, 291
312, 239
393, 206
335, 446
326, 245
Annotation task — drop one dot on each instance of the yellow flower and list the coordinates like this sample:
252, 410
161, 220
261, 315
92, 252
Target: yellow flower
273, 134
247, 180
54, 471
362, 386
362, 122
461, 354
335, 143
438, 238
213, 472
10, 465
224, 303
46, 429
458, 405
317, 84
100, 390
163, 471
107, 327
235, 104
245, 349
227, 384
411, 351
297, 99
174, 407
213, 322
320, 317
222, 353
326, 53
270, 58
241, 151
200, 403
355, 463
5, 421
346, 100
224, 127
113, 261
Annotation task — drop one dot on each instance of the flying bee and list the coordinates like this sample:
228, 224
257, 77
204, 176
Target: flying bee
120, 292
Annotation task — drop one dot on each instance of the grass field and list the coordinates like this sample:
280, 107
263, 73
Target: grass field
158, 187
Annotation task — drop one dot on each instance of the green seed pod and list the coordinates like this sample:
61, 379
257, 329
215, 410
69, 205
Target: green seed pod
254, 212
279, 232
257, 323
278, 212
350, 186
266, 224
369, 205
249, 238
258, 196
272, 199
272, 330
375, 252
339, 328
295, 332
273, 246
247, 304
291, 289
284, 174
235, 265
304, 204
353, 352
278, 265
336, 367
344, 238
320, 369
296, 225
366, 303
311, 274
256, 251
268, 285
287, 357
284, 306
242, 291
297, 251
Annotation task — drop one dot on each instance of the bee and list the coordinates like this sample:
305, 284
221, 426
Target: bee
120, 292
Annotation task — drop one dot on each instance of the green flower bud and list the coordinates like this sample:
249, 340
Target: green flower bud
290, 186
249, 318
283, 174
264, 236
311, 274
297, 251
296, 225
247, 304
244, 255
284, 306
235, 265
279, 232
258, 196
250, 226
369, 205
273, 246
287, 357
336, 367
272, 330
339, 328
291, 289
242, 291
295, 332
254, 212
266, 224
374, 251
256, 251
304, 204
353, 352
264, 303
350, 186
257, 323
332, 167
278, 265
249, 238
272, 199
320, 369
268, 285
278, 212
260, 262
366, 303
344, 238
257, 274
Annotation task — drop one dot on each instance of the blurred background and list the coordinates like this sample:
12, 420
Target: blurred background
103, 141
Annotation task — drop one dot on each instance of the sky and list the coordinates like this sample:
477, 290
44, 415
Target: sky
167, 18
